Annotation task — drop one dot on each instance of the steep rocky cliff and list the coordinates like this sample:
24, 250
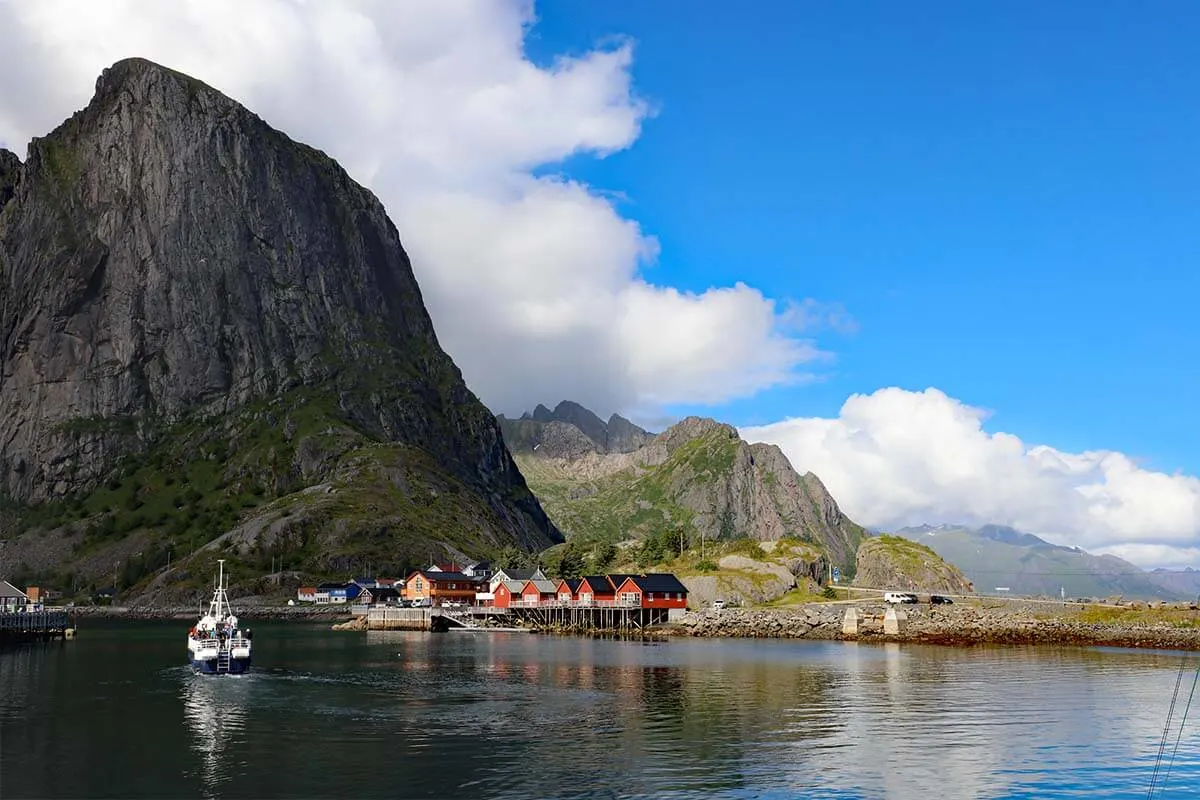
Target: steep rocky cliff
184, 287
698, 476
891, 562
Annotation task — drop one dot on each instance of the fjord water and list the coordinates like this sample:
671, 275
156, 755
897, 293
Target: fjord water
338, 714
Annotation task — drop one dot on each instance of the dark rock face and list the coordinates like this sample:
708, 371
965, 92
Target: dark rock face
619, 435
165, 254
10, 173
624, 436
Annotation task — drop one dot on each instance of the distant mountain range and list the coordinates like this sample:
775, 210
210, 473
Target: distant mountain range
615, 481
995, 556
1184, 581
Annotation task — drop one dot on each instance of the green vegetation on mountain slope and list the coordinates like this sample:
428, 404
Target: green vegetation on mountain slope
698, 482
892, 562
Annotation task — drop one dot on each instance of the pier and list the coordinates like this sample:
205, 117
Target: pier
35, 626
545, 616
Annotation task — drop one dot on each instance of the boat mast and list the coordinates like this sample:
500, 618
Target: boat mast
220, 589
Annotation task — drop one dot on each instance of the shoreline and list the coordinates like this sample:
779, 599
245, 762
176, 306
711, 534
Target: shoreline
960, 625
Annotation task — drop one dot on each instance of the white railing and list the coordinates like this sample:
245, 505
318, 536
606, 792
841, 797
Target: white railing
622, 603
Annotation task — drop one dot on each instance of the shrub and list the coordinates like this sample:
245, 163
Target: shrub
749, 548
706, 566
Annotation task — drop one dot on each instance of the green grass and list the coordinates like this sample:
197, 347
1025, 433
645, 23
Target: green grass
635, 502
1168, 617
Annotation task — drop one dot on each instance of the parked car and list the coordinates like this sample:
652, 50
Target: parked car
718, 605
895, 597
939, 600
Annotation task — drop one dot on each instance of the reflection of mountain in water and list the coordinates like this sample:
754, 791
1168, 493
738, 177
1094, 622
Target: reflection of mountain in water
215, 711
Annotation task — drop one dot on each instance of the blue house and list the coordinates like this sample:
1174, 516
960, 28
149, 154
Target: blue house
339, 592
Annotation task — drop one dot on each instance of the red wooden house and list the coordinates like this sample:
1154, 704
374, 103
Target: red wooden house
505, 592
567, 590
536, 592
656, 590
594, 589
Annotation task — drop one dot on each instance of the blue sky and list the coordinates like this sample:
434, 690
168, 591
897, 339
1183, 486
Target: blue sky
1003, 198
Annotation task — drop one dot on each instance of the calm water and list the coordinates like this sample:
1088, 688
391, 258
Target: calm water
326, 714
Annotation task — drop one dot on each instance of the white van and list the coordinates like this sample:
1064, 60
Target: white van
897, 597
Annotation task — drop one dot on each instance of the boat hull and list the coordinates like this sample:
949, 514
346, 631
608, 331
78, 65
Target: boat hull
237, 666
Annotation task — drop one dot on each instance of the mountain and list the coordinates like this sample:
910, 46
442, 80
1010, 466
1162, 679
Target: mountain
211, 337
573, 427
698, 477
1184, 582
891, 562
996, 556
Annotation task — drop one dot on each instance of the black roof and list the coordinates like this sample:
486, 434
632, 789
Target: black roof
572, 583
617, 580
597, 582
380, 592
659, 582
519, 574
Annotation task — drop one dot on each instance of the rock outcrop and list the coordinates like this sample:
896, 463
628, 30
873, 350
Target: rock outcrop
10, 172
891, 562
168, 260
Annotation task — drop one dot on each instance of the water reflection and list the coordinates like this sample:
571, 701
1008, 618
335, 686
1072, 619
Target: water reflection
215, 709
519, 716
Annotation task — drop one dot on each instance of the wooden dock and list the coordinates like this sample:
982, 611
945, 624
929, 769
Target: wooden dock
35, 626
547, 617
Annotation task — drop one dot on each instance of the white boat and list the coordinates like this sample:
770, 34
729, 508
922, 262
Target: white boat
216, 645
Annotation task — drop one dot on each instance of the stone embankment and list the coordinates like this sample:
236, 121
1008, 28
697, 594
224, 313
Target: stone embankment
960, 624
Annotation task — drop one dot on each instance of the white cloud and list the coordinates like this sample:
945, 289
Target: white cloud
533, 282
895, 458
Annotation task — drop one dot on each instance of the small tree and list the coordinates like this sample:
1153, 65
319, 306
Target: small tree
603, 557
571, 563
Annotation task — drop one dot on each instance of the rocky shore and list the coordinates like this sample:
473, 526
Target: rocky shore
960, 624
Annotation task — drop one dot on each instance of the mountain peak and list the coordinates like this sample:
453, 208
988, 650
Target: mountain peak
180, 277
618, 435
698, 476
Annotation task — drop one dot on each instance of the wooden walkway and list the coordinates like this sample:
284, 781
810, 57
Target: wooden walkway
34, 625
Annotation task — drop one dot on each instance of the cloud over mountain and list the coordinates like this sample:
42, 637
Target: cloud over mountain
533, 280
897, 457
